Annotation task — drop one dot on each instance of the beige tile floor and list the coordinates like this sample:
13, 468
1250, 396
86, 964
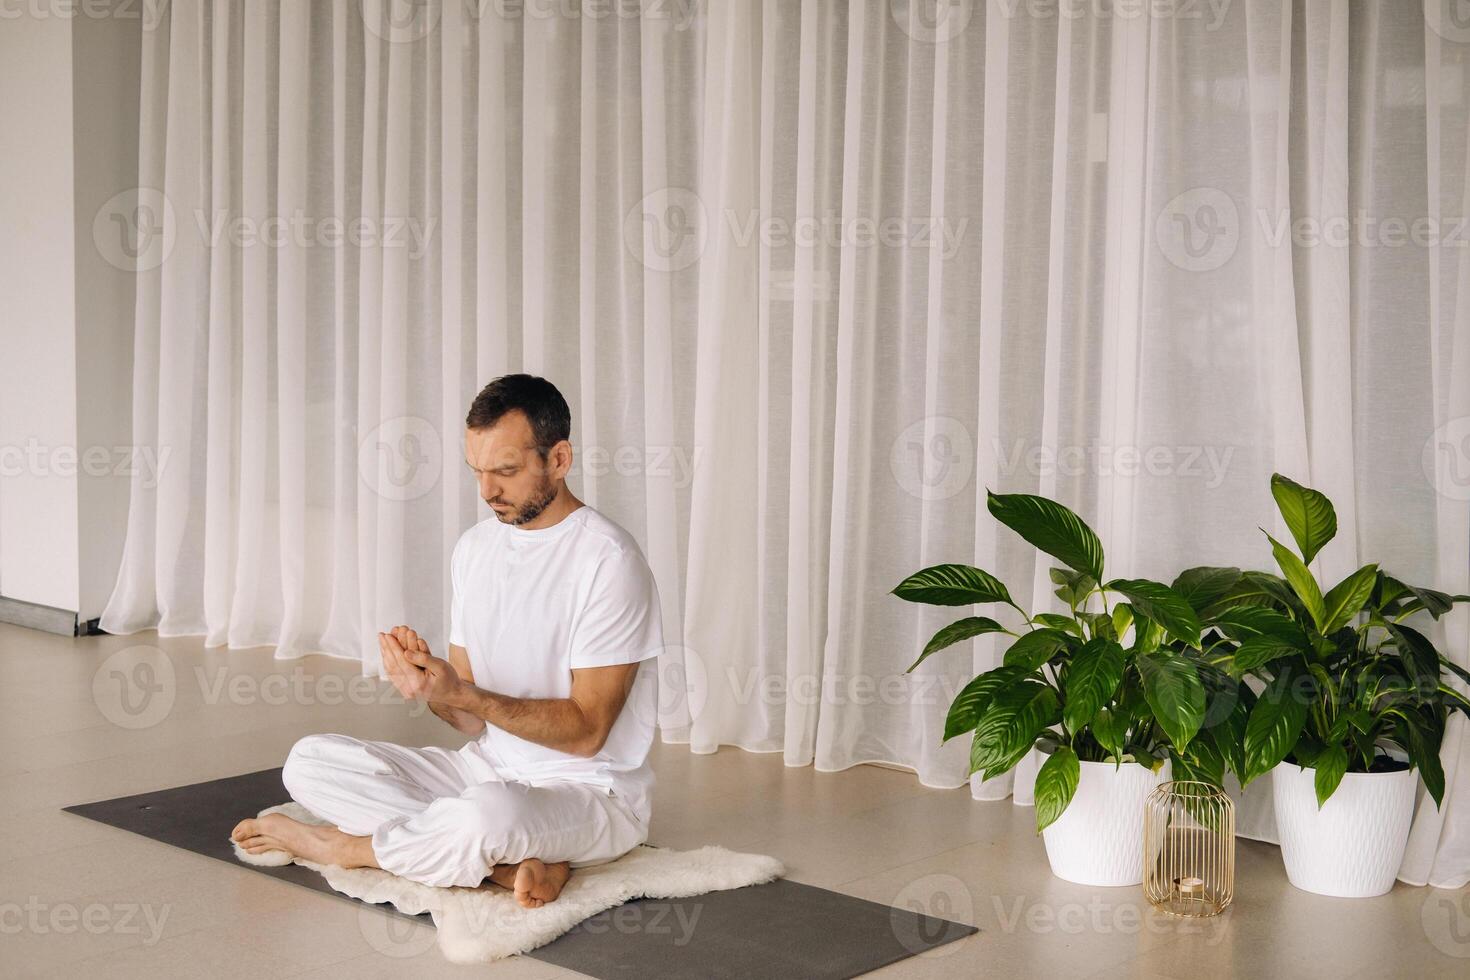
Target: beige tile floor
81, 899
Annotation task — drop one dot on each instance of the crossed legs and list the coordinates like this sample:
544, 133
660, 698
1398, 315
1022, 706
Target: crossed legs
533, 881
439, 817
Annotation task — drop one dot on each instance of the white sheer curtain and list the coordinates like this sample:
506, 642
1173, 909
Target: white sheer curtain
812, 276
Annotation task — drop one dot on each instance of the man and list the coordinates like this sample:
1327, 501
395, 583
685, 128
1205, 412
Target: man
553, 610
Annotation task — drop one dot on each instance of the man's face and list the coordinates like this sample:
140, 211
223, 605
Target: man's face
511, 475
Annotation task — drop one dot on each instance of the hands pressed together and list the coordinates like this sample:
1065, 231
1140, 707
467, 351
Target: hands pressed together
415, 672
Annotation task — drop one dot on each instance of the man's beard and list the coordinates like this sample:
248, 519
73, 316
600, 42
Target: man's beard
532, 508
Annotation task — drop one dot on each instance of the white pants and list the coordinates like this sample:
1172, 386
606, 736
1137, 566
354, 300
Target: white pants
442, 817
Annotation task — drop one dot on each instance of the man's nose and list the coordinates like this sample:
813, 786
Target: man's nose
489, 488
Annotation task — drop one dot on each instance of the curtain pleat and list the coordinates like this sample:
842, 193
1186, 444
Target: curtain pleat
814, 277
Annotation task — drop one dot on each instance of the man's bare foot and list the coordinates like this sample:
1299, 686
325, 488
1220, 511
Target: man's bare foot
537, 882
278, 832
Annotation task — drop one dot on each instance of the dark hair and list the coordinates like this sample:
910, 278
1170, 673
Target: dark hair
545, 408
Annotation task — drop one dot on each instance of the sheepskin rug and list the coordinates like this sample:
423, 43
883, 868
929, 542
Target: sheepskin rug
477, 925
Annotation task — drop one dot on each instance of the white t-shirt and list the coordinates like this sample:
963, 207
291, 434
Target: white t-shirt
530, 606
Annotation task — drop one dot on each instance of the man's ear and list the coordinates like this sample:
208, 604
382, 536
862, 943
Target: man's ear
561, 459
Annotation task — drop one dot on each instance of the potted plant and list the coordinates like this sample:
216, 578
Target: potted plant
1110, 691
1353, 708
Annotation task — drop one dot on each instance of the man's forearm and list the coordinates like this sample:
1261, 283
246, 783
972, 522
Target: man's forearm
461, 721
557, 723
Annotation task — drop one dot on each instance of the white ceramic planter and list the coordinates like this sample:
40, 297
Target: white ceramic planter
1098, 839
1352, 847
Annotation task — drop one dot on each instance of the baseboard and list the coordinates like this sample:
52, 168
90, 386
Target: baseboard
38, 617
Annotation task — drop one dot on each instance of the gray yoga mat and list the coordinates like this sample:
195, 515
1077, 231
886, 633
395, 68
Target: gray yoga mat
778, 930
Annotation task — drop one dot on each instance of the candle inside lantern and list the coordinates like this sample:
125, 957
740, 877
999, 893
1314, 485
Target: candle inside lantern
1190, 887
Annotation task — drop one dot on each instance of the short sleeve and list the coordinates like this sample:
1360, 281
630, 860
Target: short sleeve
620, 621
456, 602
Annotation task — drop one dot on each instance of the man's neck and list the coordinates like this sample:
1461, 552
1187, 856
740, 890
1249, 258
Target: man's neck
557, 511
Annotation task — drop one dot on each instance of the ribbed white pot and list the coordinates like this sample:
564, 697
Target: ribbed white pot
1352, 847
1098, 839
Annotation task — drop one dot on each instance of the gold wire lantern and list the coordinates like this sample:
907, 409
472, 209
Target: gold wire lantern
1189, 849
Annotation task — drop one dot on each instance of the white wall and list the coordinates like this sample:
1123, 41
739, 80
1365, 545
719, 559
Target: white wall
38, 508
69, 115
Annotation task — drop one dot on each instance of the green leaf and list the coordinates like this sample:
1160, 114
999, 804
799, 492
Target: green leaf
959, 630
1074, 587
1302, 583
1432, 602
1122, 619
1049, 526
1346, 599
1420, 659
1095, 673
975, 697
1065, 623
1244, 622
1202, 587
1308, 514
1010, 725
1258, 651
1330, 766
952, 585
1056, 782
1423, 749
1158, 602
1110, 728
1275, 723
1035, 648
1200, 762
1229, 734
1174, 692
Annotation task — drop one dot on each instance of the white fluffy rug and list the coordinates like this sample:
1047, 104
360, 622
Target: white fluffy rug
477, 925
